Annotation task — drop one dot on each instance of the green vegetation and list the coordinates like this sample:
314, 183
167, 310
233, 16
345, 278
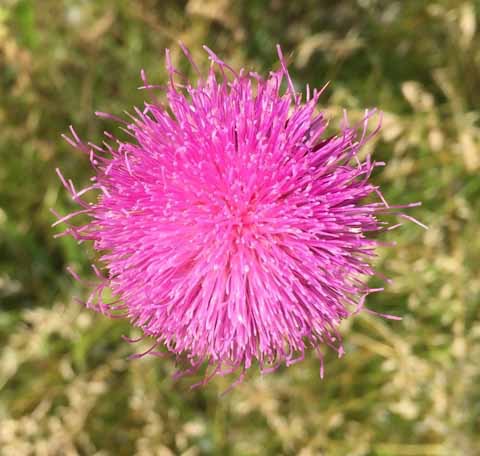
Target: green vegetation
404, 388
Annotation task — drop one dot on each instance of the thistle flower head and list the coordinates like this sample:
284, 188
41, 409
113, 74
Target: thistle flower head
229, 227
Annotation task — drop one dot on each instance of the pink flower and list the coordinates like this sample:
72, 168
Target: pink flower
229, 228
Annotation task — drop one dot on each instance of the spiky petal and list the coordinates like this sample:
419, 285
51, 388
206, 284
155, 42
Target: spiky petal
229, 227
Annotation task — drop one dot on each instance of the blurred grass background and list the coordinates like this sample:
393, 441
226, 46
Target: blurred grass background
403, 388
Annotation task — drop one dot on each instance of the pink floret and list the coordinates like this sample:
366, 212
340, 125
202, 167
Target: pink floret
229, 227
